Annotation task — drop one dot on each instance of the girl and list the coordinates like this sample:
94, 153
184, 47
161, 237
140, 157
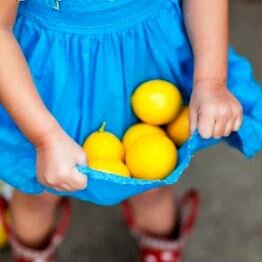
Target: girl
65, 66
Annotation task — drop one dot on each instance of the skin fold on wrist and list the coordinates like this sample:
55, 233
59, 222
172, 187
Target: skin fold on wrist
210, 83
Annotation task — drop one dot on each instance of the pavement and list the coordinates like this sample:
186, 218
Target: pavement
229, 227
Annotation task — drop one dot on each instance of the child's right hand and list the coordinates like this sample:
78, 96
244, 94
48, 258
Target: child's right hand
57, 157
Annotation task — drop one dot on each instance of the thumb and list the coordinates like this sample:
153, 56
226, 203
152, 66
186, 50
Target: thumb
79, 180
193, 118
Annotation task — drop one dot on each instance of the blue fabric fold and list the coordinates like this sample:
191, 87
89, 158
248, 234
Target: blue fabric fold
86, 75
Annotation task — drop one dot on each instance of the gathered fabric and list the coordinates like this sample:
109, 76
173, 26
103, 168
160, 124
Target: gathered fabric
86, 59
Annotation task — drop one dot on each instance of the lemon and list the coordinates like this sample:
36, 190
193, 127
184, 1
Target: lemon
151, 157
110, 165
156, 102
178, 130
138, 130
102, 144
3, 236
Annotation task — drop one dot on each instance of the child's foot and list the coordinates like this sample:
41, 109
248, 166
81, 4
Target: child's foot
166, 249
22, 253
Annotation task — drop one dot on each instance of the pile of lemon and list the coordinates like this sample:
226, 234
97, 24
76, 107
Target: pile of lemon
148, 149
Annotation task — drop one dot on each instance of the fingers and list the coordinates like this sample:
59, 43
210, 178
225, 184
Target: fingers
193, 119
206, 127
228, 128
224, 122
206, 122
237, 123
64, 187
217, 122
239, 118
57, 164
78, 180
65, 182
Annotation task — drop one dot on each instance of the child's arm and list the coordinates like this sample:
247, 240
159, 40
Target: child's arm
57, 153
213, 109
17, 92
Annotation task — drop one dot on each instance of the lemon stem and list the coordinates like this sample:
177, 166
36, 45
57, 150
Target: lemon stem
103, 126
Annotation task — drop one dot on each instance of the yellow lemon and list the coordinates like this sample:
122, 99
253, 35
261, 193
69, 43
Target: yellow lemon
138, 130
101, 144
3, 236
110, 165
178, 129
156, 102
151, 157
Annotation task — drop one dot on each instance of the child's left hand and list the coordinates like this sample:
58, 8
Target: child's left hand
214, 111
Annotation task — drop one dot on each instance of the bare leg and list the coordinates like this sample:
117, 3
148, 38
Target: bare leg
33, 217
155, 211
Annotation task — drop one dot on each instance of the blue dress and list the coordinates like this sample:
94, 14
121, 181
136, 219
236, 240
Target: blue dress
86, 58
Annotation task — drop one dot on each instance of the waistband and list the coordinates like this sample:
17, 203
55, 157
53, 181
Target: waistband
89, 15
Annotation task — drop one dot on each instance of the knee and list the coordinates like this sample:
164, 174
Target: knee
44, 201
149, 197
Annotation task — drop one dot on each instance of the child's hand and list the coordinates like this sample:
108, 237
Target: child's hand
214, 111
57, 156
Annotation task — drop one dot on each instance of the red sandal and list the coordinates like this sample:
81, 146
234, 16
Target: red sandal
153, 249
21, 253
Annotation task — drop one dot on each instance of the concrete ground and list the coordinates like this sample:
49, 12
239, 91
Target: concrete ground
229, 228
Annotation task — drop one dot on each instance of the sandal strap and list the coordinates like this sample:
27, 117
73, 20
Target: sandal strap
154, 249
189, 206
22, 253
